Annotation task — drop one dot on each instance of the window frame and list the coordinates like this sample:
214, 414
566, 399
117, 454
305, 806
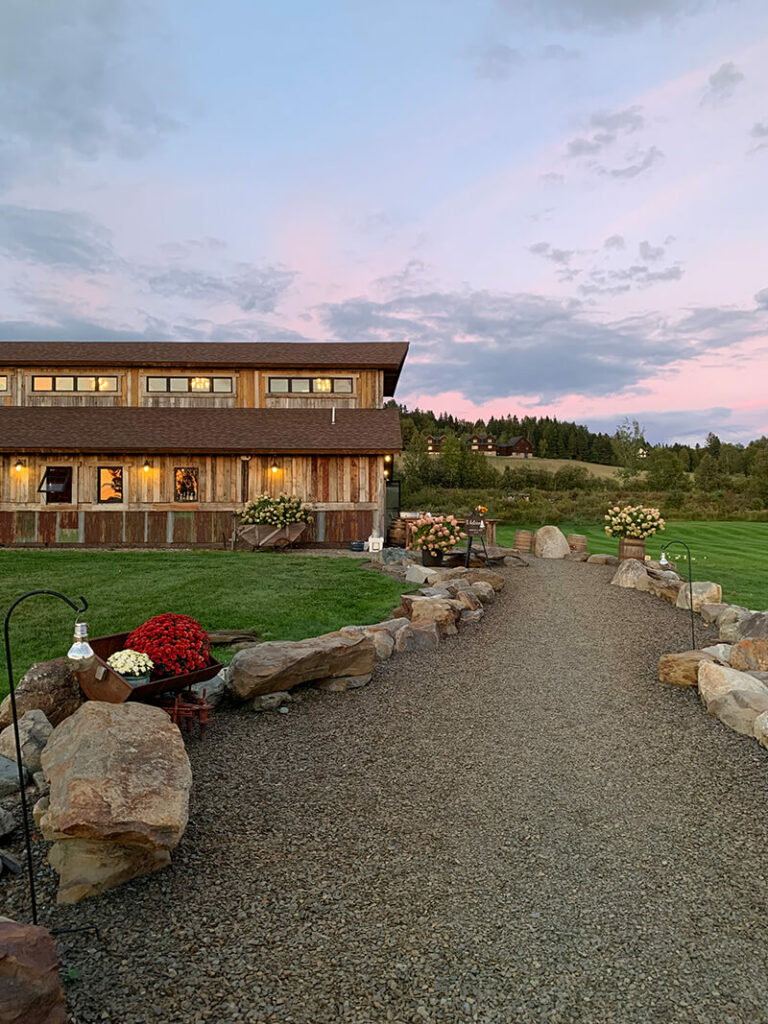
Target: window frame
55, 389
311, 390
45, 486
5, 383
189, 390
110, 501
176, 495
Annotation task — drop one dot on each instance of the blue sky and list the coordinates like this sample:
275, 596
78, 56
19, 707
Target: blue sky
560, 203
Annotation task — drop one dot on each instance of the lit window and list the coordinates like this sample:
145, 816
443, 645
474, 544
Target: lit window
322, 384
86, 383
185, 483
201, 383
222, 385
107, 383
42, 383
3, 383
342, 385
157, 383
110, 484
178, 383
56, 485
278, 385
301, 385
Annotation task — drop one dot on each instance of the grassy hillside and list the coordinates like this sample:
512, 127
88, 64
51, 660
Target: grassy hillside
735, 555
552, 465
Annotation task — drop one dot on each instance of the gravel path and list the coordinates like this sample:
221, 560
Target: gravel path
523, 827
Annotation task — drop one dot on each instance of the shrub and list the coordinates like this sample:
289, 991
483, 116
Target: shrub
281, 511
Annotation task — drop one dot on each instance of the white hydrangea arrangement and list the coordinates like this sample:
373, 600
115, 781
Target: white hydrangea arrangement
131, 663
635, 521
436, 533
280, 511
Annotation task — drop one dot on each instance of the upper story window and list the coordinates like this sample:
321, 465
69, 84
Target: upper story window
190, 385
3, 384
64, 384
310, 385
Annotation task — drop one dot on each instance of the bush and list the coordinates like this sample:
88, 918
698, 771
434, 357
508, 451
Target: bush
276, 511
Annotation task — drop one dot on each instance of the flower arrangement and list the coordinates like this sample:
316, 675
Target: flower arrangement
131, 663
436, 533
633, 521
481, 510
280, 511
175, 643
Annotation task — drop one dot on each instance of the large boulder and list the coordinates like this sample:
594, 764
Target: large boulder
703, 593
50, 686
484, 591
666, 589
550, 542
731, 622
34, 730
760, 729
30, 988
119, 795
283, 664
444, 613
419, 636
601, 559
683, 669
750, 655
756, 625
736, 698
632, 575
9, 776
720, 651
417, 573
496, 579
711, 612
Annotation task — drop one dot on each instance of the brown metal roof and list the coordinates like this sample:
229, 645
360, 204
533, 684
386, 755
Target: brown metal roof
288, 355
212, 431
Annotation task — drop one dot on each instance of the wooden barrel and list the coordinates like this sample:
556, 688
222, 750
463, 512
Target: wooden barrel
631, 547
396, 535
523, 540
577, 542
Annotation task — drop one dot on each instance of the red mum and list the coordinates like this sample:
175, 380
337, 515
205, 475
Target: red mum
176, 643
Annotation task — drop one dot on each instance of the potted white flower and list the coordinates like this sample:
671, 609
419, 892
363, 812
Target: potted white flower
134, 666
632, 524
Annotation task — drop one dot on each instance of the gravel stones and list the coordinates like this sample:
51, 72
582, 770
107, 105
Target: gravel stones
521, 825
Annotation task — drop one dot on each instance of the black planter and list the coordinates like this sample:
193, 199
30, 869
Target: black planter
427, 558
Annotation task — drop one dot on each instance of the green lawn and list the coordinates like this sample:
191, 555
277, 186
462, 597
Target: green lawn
735, 555
280, 596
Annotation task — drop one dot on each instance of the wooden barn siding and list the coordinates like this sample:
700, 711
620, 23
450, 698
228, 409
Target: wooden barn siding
249, 388
347, 491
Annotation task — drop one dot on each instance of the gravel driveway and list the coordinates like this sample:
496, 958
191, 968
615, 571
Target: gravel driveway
524, 826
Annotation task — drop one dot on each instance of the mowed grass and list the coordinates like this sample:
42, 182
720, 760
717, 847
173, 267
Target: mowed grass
552, 465
280, 596
735, 555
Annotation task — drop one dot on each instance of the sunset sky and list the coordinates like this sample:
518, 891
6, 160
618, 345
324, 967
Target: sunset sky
561, 204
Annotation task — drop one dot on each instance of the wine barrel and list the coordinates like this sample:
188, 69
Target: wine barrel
631, 547
577, 542
523, 540
396, 533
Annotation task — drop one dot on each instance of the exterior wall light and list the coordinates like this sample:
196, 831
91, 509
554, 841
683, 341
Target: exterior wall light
273, 467
387, 458
19, 465
146, 465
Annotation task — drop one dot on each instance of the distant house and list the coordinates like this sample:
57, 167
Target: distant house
485, 444
434, 443
515, 448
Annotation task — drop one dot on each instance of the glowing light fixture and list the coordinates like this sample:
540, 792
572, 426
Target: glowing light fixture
387, 458
80, 655
146, 465
19, 465
273, 467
